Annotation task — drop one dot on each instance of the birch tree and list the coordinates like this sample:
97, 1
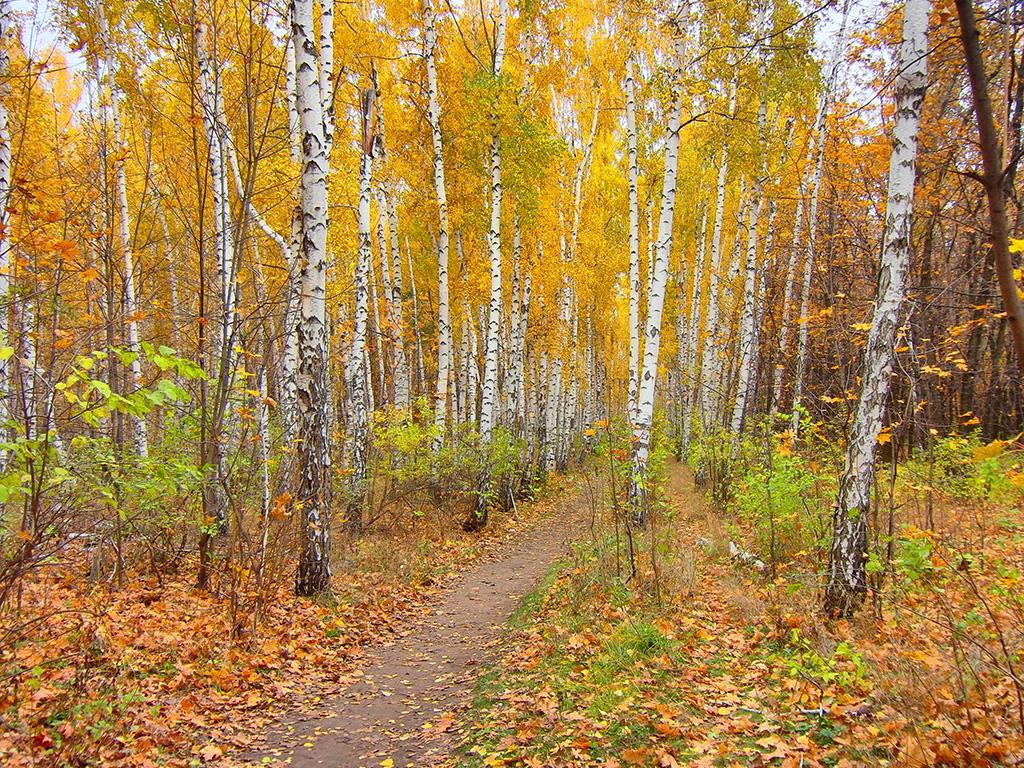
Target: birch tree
489, 388
396, 318
358, 369
711, 363
215, 129
634, 246
489, 394
814, 187
638, 484
129, 302
444, 315
313, 455
747, 372
847, 576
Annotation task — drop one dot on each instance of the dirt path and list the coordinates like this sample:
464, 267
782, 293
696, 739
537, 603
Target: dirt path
400, 711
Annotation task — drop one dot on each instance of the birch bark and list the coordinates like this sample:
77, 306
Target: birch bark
396, 319
358, 373
710, 383
489, 395
812, 218
847, 579
639, 507
747, 335
489, 406
444, 318
129, 304
634, 246
691, 370
215, 129
313, 445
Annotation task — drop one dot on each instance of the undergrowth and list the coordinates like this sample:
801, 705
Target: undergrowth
697, 658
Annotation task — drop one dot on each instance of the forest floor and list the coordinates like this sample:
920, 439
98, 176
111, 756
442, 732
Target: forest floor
691, 656
554, 639
142, 669
403, 706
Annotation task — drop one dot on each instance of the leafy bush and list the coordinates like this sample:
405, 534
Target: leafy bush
964, 468
48, 485
786, 499
843, 667
406, 459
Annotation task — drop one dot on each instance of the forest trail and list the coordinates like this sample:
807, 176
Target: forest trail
400, 711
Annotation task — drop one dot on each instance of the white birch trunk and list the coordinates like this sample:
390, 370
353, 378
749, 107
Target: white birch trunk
444, 319
313, 455
325, 76
520, 310
489, 396
787, 301
290, 326
805, 288
691, 369
652, 244
421, 377
710, 383
289, 320
639, 507
747, 333
847, 582
294, 148
377, 332
747, 337
358, 374
130, 307
396, 324
634, 247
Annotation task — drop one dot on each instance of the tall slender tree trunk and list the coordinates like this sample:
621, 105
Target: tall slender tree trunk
814, 186
420, 375
379, 392
130, 306
396, 319
691, 369
313, 454
292, 288
489, 392
634, 247
444, 318
358, 373
517, 347
747, 336
489, 395
218, 148
711, 363
847, 577
638, 485
787, 301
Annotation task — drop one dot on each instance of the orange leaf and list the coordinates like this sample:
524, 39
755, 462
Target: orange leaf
635, 756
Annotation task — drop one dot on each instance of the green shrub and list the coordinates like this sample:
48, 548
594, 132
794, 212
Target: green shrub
784, 497
963, 467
